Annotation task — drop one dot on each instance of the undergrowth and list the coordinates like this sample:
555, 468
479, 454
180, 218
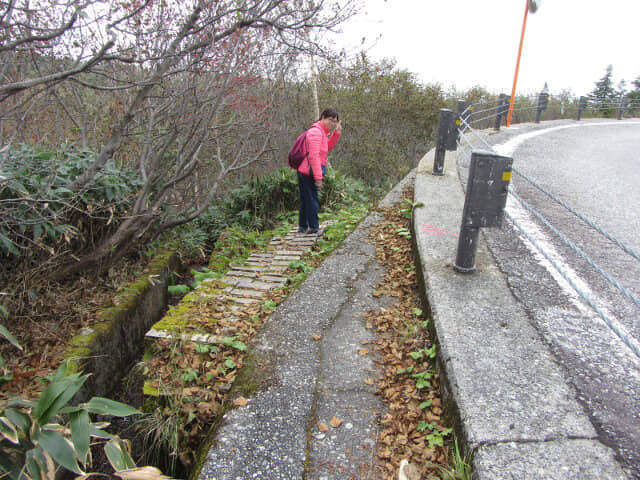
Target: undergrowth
192, 380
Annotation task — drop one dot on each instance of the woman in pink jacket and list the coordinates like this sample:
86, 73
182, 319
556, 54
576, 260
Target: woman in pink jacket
322, 136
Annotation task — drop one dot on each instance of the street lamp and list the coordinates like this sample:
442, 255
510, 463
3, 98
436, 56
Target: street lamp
531, 6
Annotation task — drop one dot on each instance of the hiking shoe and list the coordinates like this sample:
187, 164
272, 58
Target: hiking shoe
315, 231
302, 230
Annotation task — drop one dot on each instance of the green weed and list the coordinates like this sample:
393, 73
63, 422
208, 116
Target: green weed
233, 342
36, 438
460, 465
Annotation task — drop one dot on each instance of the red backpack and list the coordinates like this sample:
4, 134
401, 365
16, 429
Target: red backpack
299, 151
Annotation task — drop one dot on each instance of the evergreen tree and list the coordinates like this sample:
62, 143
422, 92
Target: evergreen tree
634, 97
603, 97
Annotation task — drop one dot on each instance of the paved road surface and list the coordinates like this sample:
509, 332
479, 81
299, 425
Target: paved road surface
595, 168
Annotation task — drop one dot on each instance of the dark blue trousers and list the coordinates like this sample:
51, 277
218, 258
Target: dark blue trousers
308, 214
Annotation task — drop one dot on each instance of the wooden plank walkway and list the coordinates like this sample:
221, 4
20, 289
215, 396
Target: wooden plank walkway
251, 282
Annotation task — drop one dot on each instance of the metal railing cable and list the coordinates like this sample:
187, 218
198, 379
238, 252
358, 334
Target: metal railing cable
490, 109
593, 225
522, 109
621, 335
496, 108
472, 130
466, 151
486, 102
577, 249
476, 116
488, 117
522, 105
467, 139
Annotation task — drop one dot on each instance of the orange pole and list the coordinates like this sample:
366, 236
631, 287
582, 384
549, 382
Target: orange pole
515, 77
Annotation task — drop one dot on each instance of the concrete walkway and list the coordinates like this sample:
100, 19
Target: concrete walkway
510, 400
307, 370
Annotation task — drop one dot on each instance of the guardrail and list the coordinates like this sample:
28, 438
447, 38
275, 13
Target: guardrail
456, 131
486, 115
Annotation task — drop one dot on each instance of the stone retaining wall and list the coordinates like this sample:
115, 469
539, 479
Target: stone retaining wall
108, 349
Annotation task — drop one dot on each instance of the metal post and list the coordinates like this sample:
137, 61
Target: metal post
467, 247
538, 112
446, 128
623, 106
582, 104
464, 109
438, 161
486, 197
543, 101
503, 107
539, 108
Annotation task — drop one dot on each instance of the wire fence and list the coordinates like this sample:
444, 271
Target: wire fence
469, 140
483, 114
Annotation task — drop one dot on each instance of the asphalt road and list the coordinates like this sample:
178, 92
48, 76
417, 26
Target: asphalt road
594, 167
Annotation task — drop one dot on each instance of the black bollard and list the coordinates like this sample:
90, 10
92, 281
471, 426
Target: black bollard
486, 197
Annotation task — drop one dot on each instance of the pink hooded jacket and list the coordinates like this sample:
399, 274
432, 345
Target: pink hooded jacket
318, 146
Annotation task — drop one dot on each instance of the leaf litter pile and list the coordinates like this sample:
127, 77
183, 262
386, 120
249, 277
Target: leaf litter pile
43, 317
413, 429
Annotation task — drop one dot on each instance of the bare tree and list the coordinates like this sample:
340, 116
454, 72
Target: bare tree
193, 83
43, 43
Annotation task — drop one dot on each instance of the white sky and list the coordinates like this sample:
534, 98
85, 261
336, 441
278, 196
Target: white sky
462, 43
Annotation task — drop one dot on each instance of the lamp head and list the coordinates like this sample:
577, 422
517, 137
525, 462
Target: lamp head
533, 5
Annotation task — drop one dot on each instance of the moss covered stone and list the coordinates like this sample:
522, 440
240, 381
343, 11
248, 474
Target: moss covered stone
109, 348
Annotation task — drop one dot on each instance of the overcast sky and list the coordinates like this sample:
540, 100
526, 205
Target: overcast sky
462, 43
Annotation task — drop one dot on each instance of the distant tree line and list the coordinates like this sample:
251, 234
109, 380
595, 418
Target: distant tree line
605, 99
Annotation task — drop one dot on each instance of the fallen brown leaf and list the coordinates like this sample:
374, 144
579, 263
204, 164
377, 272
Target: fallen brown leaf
399, 438
335, 422
240, 402
430, 417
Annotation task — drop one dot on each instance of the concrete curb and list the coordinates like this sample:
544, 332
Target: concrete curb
515, 410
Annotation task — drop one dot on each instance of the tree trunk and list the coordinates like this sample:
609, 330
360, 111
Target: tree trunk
127, 238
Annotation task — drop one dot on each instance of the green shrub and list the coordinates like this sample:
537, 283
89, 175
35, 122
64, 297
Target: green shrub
255, 203
36, 438
234, 245
260, 204
37, 207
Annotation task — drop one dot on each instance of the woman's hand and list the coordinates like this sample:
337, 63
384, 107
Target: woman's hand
338, 127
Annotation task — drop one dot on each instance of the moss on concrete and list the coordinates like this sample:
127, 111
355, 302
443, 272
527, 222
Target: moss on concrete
150, 389
128, 306
97, 330
74, 358
178, 318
